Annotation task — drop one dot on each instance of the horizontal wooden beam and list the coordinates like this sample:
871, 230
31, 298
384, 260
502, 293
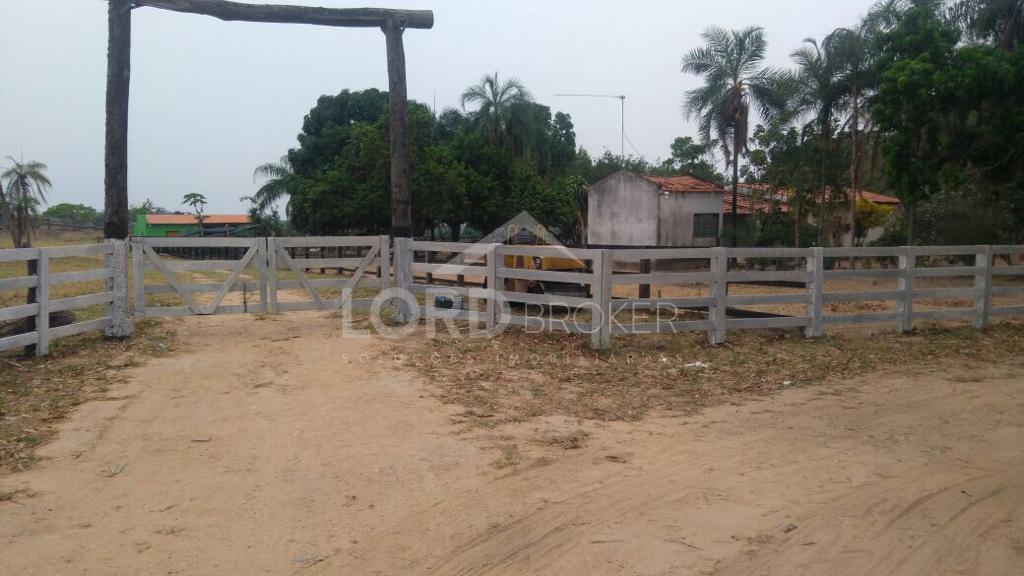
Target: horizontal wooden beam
274, 13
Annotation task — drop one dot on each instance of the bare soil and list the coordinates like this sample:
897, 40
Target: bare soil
272, 445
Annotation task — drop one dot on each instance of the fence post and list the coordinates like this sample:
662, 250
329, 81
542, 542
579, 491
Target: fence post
816, 269
261, 273
601, 286
43, 301
385, 262
139, 278
120, 319
403, 281
492, 286
906, 285
983, 286
719, 295
272, 274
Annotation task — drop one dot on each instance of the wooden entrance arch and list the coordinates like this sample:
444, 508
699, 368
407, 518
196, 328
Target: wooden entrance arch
392, 22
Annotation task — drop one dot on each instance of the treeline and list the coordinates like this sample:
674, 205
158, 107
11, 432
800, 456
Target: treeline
473, 168
921, 99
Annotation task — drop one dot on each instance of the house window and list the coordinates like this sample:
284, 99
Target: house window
705, 225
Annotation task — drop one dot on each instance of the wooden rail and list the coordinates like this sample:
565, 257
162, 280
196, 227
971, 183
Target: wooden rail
113, 296
805, 272
494, 285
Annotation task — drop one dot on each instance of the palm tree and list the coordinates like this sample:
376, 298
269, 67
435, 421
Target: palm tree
22, 187
26, 183
278, 183
857, 75
732, 65
577, 189
494, 101
821, 94
448, 123
998, 21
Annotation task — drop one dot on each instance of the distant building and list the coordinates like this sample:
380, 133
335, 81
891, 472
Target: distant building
627, 209
188, 225
761, 199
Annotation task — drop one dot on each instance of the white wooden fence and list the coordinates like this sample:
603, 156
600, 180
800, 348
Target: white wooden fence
713, 270
111, 256
494, 276
251, 274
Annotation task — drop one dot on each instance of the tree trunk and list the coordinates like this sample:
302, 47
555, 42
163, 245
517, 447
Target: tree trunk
735, 185
911, 208
854, 169
401, 202
119, 42
823, 228
795, 206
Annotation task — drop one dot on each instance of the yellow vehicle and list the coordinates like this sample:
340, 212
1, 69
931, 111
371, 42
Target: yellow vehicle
551, 263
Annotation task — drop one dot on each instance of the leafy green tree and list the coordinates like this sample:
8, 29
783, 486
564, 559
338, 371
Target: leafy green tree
735, 78
67, 211
906, 109
197, 202
689, 157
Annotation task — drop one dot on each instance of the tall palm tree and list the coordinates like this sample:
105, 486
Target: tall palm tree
998, 21
494, 101
821, 95
857, 76
26, 184
732, 65
23, 187
278, 183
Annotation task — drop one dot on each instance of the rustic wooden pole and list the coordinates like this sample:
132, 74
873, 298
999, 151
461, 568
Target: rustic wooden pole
115, 181
278, 14
401, 202
392, 22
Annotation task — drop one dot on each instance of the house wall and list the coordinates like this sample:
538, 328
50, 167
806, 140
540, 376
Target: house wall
143, 228
622, 210
676, 218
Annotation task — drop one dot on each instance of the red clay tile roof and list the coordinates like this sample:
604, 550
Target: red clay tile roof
747, 205
684, 184
186, 219
757, 198
878, 198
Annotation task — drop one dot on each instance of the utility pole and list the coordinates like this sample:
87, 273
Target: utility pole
622, 115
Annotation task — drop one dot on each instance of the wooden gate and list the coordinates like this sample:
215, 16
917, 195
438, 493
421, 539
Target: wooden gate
298, 255
194, 268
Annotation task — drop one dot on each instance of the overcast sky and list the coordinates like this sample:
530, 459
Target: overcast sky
210, 100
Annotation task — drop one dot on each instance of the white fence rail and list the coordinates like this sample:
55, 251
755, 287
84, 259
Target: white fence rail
511, 274
111, 259
497, 285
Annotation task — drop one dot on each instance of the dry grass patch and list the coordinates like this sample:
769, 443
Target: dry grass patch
36, 393
517, 376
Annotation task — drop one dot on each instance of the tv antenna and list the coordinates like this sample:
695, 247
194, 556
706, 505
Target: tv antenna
622, 115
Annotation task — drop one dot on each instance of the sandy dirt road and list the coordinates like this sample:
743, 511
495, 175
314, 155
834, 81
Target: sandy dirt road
274, 446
